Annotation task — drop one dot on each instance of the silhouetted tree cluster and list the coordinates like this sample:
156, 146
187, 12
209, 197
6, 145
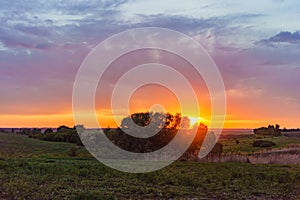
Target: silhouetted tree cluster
168, 126
290, 130
270, 131
159, 120
28, 131
63, 134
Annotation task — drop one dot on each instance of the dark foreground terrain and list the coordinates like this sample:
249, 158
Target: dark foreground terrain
35, 169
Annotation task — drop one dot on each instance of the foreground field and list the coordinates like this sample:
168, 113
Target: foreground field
34, 169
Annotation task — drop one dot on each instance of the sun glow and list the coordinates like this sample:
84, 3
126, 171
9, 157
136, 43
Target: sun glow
196, 121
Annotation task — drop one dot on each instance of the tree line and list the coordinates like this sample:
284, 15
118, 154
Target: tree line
63, 134
166, 124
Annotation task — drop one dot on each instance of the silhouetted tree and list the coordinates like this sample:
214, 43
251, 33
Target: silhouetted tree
63, 134
48, 130
62, 128
168, 125
194, 148
25, 131
271, 130
36, 131
160, 120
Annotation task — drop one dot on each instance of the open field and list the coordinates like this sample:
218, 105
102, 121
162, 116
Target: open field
240, 144
34, 169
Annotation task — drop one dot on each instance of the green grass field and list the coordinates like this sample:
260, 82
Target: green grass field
35, 169
244, 144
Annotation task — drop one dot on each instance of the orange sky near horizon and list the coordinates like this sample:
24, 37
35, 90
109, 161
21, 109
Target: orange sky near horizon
53, 121
141, 100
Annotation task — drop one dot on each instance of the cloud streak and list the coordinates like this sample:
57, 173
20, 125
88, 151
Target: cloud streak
282, 37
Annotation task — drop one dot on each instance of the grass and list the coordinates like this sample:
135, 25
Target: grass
244, 144
18, 146
34, 169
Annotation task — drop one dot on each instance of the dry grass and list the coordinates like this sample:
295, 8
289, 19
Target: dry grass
289, 155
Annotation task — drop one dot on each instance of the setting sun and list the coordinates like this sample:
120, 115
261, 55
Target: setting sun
196, 121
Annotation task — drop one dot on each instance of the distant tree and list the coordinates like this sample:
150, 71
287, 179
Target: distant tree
36, 131
48, 130
270, 131
62, 128
25, 131
63, 134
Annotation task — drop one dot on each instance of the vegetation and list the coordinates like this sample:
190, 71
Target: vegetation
263, 143
245, 144
63, 134
160, 120
40, 169
290, 130
36, 169
167, 126
271, 130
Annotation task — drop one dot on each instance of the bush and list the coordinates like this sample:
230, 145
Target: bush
73, 152
63, 134
267, 144
263, 143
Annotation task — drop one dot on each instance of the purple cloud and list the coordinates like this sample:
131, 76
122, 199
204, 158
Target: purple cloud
12, 38
282, 37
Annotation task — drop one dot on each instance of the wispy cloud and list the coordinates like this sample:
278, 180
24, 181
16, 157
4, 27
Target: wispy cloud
282, 37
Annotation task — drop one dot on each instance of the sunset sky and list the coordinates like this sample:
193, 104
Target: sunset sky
255, 44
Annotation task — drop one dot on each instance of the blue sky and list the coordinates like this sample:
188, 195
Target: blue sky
256, 45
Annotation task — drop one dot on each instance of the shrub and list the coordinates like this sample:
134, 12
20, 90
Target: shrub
267, 144
263, 143
73, 152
